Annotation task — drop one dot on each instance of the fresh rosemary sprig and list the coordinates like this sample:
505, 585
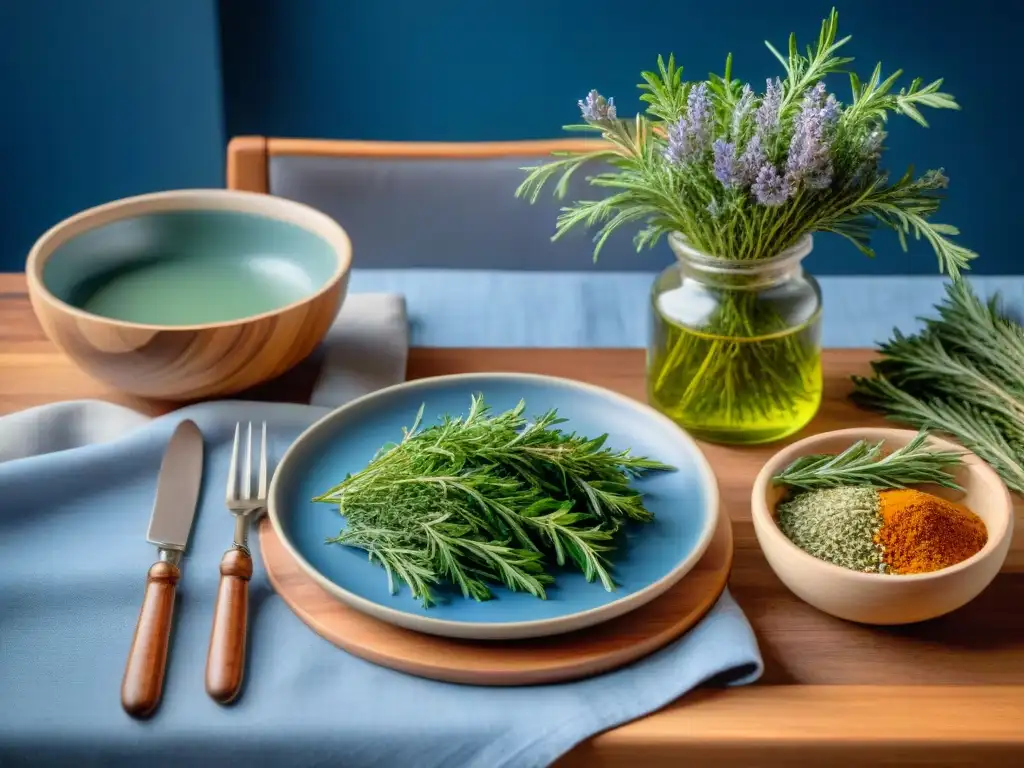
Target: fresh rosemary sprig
742, 174
864, 464
963, 374
490, 499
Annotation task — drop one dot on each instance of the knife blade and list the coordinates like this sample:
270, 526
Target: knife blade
174, 509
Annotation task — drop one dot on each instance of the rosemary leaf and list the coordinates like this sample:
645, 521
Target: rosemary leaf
690, 162
742, 174
963, 375
863, 464
490, 499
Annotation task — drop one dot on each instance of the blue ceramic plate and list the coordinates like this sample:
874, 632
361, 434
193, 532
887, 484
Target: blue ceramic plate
653, 557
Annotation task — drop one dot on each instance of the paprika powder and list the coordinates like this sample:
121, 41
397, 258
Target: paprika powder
921, 532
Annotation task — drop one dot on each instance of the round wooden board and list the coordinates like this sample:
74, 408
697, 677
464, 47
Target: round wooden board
521, 662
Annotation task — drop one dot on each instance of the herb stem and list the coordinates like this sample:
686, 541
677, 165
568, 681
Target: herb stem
485, 500
863, 464
957, 376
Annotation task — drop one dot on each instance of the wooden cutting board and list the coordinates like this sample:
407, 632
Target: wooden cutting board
522, 662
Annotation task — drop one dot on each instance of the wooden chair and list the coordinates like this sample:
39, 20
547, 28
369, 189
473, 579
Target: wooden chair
248, 157
447, 205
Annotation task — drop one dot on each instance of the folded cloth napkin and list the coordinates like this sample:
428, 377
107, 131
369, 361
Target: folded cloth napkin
76, 491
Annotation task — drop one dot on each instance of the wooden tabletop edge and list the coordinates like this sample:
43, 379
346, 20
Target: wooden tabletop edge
930, 714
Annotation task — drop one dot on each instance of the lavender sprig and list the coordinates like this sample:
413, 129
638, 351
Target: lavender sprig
771, 188
769, 111
742, 109
744, 175
690, 136
595, 108
727, 168
810, 158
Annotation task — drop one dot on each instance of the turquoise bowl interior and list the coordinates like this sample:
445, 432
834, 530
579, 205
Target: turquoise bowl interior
683, 501
189, 267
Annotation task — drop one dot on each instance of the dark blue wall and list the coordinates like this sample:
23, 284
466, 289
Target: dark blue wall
103, 99
108, 98
474, 70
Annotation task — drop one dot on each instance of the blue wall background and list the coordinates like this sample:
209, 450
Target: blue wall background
104, 99
116, 97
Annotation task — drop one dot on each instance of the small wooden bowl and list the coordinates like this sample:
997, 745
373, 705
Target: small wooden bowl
224, 289
873, 598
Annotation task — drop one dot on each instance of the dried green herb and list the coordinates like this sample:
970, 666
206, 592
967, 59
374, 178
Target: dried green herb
837, 525
485, 499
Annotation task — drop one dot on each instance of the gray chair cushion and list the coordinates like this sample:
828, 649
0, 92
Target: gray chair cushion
452, 214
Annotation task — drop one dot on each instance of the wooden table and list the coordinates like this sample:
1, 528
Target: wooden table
945, 692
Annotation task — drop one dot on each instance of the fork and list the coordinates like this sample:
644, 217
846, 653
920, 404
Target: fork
225, 661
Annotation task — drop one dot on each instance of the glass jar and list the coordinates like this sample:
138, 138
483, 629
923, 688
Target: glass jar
734, 354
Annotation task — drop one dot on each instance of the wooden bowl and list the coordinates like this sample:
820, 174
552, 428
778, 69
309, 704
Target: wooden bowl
873, 598
189, 294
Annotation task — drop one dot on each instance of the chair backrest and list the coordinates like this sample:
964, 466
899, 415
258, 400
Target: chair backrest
436, 204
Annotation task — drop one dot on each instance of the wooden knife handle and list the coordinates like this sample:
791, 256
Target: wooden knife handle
225, 662
144, 674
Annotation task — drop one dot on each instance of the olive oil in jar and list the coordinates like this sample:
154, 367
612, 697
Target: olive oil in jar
734, 353
733, 389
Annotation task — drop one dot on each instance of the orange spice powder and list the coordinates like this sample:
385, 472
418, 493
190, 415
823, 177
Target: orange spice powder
921, 532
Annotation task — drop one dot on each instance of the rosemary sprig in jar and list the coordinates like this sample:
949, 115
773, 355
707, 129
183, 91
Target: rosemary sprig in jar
743, 176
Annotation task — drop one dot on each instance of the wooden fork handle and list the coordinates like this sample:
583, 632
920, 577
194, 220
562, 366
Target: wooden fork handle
225, 662
143, 680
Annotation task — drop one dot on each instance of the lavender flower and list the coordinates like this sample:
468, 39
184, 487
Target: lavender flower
742, 109
727, 166
767, 116
870, 152
770, 188
596, 108
830, 111
934, 180
752, 159
810, 160
690, 136
698, 107
766, 121
677, 151
873, 146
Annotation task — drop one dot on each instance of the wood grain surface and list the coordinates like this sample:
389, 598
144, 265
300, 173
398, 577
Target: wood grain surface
225, 659
849, 726
563, 657
425, 149
247, 164
143, 682
945, 692
190, 362
189, 365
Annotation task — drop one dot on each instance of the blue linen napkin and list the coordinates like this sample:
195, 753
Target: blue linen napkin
76, 490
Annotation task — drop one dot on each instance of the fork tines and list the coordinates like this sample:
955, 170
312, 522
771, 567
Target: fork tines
233, 494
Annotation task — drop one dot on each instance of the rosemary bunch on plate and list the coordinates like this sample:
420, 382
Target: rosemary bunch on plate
864, 464
963, 374
490, 499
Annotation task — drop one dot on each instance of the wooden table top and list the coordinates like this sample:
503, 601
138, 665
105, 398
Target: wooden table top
945, 692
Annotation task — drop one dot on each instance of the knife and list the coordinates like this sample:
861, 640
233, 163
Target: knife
177, 493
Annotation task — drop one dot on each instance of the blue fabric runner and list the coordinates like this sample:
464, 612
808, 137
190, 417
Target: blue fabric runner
73, 559
496, 308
